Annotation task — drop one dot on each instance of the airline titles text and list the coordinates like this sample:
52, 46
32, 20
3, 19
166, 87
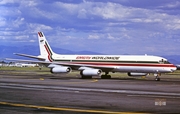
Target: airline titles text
98, 58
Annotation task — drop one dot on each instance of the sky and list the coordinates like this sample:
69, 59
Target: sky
104, 26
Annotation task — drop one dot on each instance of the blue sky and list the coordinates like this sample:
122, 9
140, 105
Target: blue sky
105, 26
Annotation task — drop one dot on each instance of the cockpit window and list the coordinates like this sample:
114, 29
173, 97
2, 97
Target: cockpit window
167, 62
162, 61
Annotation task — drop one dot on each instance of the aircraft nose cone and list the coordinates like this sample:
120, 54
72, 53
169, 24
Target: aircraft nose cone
173, 69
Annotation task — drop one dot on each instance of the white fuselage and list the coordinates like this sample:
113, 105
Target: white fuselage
120, 63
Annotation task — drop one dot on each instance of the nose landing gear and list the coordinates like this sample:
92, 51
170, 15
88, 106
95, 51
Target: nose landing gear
157, 76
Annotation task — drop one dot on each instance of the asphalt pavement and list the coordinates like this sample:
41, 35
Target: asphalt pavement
45, 94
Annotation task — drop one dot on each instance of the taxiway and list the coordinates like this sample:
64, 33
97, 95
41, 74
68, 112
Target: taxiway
51, 94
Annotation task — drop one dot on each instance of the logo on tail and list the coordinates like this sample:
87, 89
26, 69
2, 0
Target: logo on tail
45, 49
40, 34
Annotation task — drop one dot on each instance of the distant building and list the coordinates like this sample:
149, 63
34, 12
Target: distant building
23, 65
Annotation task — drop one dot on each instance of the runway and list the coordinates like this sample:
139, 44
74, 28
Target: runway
51, 94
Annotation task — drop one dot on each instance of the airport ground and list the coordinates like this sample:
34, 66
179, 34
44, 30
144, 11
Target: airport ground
30, 90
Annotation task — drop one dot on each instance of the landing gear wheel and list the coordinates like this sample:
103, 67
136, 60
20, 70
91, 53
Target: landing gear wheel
157, 79
157, 76
105, 76
86, 77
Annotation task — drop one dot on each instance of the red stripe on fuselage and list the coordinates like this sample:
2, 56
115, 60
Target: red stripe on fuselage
127, 64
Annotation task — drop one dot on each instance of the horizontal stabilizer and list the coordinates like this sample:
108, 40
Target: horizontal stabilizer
30, 61
31, 56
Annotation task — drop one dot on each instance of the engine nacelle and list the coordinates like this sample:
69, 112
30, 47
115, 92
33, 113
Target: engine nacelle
61, 69
136, 74
91, 72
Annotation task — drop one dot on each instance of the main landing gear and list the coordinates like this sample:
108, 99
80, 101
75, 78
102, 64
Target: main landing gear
106, 76
157, 76
86, 77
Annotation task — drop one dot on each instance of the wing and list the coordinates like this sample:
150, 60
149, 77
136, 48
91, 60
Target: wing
70, 64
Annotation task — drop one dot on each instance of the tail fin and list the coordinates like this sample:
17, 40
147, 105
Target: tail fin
45, 49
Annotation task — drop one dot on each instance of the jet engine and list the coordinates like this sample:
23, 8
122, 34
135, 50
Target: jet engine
91, 72
60, 69
136, 74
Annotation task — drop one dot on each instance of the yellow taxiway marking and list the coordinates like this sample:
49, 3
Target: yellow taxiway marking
82, 82
41, 78
94, 80
66, 109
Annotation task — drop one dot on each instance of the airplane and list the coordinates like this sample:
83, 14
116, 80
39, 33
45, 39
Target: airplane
95, 65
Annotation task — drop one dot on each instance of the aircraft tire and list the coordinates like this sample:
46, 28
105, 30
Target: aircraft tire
86, 77
157, 79
105, 76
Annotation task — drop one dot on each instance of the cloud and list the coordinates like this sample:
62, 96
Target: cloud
2, 21
82, 14
3, 2
172, 4
94, 36
126, 26
39, 27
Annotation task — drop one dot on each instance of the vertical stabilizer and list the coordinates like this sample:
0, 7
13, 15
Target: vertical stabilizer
45, 49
